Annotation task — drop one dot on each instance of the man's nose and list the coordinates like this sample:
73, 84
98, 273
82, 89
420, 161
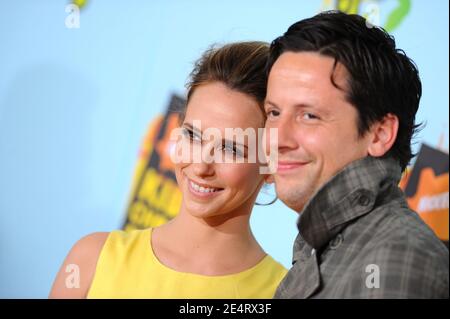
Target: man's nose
286, 134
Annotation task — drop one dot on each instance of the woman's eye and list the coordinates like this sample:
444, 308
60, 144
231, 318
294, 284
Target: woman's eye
191, 135
231, 149
228, 149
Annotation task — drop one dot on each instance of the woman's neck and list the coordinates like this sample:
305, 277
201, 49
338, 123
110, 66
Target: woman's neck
220, 243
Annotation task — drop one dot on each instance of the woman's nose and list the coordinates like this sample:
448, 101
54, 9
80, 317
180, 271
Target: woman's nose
203, 165
203, 169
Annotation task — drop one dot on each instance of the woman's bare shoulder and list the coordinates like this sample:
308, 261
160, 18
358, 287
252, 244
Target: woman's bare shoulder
75, 275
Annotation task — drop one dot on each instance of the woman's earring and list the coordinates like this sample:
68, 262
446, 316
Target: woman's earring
268, 204
265, 191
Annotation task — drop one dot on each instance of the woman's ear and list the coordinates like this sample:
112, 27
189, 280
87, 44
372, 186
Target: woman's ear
269, 179
384, 134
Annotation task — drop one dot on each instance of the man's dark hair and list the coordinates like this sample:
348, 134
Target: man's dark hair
382, 79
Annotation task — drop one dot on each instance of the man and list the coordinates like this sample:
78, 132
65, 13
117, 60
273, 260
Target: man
344, 100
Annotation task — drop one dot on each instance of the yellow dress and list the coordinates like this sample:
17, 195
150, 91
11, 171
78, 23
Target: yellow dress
128, 268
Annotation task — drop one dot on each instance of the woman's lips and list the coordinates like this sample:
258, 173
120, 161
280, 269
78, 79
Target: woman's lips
202, 194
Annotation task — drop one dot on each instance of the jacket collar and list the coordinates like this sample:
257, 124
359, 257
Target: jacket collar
351, 193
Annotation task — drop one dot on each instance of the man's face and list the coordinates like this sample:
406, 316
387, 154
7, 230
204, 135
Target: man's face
317, 127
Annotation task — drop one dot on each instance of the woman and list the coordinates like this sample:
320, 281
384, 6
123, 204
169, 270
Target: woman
208, 249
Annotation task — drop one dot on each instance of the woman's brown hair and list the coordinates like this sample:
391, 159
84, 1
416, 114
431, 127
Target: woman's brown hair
240, 66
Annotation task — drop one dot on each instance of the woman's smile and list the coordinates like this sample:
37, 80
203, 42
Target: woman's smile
202, 190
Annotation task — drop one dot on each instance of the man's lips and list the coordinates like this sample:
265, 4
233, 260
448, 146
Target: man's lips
284, 166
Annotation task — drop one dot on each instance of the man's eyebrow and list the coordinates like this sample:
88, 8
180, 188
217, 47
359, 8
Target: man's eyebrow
270, 103
297, 105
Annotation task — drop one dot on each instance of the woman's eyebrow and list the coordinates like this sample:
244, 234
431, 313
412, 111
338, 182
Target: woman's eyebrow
228, 142
192, 128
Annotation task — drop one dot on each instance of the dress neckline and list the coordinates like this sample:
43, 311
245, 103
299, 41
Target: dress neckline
160, 265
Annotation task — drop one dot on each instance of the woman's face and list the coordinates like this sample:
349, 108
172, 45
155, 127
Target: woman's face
214, 187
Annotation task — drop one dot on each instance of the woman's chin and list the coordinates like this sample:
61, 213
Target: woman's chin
201, 210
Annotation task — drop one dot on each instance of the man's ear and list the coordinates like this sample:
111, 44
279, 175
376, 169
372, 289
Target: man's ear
384, 134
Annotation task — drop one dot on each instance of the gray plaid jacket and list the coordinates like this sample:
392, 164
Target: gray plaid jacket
358, 239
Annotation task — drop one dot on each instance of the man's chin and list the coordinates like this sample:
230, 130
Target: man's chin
293, 197
295, 206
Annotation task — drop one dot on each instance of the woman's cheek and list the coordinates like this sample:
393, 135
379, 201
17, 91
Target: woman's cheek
240, 176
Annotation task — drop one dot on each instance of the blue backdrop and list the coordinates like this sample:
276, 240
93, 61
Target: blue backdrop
75, 104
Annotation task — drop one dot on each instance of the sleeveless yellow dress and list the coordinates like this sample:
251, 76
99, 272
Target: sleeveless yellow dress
128, 268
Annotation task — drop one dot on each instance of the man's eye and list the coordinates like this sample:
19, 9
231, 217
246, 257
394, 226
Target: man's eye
273, 113
309, 116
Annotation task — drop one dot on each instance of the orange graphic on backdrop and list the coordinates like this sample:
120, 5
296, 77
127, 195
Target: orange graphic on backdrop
431, 201
165, 145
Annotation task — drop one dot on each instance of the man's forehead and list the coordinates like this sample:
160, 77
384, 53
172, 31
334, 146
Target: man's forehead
305, 68
306, 76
